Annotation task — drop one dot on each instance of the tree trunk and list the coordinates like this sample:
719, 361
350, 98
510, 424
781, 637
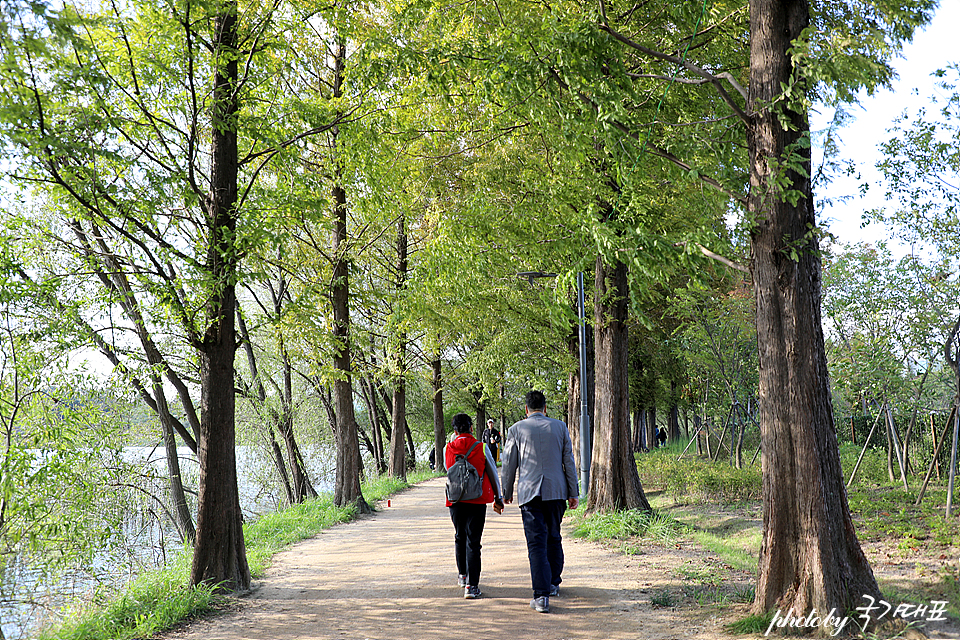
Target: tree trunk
398, 467
347, 483
650, 429
180, 509
370, 398
346, 490
281, 466
411, 447
636, 437
741, 431
481, 422
810, 557
220, 555
673, 420
439, 430
614, 483
302, 487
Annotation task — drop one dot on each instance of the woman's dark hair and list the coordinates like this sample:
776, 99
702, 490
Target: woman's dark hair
462, 423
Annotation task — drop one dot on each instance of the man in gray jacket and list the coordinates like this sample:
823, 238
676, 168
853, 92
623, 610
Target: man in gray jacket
538, 454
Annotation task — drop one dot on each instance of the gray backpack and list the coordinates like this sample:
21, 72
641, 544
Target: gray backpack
463, 481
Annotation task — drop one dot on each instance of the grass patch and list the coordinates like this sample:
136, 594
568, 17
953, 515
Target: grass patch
739, 552
151, 603
159, 600
273, 532
663, 598
889, 513
751, 625
626, 525
694, 479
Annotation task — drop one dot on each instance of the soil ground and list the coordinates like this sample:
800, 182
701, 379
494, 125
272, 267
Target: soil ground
392, 576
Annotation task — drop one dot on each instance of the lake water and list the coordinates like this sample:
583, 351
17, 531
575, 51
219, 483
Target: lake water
149, 537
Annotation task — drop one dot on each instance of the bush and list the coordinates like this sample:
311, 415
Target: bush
696, 479
873, 467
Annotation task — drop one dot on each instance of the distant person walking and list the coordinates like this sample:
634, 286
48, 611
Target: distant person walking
492, 439
661, 437
538, 456
469, 516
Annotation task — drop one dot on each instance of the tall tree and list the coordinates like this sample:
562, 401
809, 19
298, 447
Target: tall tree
111, 113
614, 482
810, 557
220, 555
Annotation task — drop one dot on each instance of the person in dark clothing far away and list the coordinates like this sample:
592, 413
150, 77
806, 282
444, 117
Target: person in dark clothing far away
491, 437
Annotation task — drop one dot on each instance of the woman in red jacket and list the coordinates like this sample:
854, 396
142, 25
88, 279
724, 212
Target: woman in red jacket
469, 516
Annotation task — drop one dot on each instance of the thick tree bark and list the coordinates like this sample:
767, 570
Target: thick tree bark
614, 483
347, 483
637, 422
810, 557
481, 421
220, 556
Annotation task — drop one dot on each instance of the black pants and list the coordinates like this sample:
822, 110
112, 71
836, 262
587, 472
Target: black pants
541, 526
468, 520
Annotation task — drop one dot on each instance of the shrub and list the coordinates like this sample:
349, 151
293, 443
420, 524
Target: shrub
695, 479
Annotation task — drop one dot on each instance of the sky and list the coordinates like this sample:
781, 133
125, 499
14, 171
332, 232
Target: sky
930, 50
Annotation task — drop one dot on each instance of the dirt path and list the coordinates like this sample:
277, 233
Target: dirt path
392, 577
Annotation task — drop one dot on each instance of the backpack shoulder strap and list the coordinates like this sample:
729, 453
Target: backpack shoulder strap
470, 450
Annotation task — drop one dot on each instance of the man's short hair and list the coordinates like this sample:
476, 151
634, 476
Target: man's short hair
462, 423
536, 401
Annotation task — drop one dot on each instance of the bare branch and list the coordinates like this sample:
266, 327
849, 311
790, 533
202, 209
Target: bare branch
714, 79
716, 256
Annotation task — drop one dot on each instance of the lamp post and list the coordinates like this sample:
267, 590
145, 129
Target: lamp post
585, 428
586, 448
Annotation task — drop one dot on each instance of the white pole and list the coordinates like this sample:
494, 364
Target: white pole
953, 465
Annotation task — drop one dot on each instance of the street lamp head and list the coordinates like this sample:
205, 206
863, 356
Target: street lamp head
531, 275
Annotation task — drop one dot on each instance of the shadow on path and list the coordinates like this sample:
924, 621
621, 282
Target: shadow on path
393, 577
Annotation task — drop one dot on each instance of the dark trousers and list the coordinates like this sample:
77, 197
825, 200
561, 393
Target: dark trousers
541, 526
468, 520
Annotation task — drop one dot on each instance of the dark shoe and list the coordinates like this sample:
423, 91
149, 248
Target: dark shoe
554, 591
461, 581
471, 593
541, 604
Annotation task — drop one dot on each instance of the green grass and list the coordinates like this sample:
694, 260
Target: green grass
626, 525
160, 599
751, 625
694, 479
687, 490
149, 604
